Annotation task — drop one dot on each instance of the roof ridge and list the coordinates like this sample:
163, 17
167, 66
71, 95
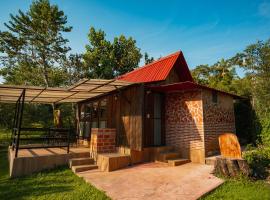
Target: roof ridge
154, 62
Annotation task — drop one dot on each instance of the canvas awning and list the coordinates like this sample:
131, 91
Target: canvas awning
84, 89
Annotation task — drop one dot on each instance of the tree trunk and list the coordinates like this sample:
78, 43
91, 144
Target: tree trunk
231, 167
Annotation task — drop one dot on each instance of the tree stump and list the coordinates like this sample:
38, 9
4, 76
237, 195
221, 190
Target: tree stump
230, 163
231, 167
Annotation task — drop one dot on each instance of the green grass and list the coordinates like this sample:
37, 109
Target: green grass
4, 136
56, 184
240, 189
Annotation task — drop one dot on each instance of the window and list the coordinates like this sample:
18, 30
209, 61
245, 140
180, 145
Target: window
214, 97
95, 113
103, 114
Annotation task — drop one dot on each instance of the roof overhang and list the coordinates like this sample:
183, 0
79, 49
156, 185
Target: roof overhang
184, 86
84, 89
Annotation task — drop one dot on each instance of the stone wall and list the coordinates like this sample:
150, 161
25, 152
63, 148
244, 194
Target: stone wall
102, 141
184, 124
218, 119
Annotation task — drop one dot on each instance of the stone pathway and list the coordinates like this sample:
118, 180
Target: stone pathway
155, 181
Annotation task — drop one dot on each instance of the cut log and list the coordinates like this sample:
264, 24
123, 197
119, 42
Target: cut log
243, 166
231, 167
229, 146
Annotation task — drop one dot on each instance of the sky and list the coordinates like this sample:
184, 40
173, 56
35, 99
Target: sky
205, 30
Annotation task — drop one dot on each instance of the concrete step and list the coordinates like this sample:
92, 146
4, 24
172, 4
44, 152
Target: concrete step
178, 161
165, 156
80, 161
164, 149
81, 155
211, 160
82, 168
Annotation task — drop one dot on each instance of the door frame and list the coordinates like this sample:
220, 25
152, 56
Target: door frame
148, 119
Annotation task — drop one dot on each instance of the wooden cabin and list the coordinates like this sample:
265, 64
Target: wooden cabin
163, 116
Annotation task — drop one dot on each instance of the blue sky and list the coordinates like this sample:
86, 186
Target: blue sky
205, 31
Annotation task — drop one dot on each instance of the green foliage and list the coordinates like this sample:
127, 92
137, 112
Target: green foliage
259, 160
105, 59
33, 46
220, 75
265, 132
74, 69
148, 59
255, 59
45, 185
240, 189
201, 74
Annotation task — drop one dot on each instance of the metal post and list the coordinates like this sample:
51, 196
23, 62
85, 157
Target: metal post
68, 139
14, 129
20, 123
13, 126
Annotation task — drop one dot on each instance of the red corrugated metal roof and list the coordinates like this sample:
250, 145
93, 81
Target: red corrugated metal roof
186, 86
157, 70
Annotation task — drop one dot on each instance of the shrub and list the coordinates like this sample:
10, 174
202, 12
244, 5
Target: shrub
258, 160
265, 133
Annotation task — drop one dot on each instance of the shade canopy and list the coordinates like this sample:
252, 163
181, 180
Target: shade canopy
84, 89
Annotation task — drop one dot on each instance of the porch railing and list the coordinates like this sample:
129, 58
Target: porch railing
31, 138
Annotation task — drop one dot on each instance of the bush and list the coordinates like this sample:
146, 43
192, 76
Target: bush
265, 133
258, 160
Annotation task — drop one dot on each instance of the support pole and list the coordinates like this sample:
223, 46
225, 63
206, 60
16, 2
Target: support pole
20, 122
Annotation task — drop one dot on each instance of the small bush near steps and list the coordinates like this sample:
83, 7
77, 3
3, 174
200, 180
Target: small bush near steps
259, 161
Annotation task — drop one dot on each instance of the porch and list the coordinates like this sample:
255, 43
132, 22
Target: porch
33, 160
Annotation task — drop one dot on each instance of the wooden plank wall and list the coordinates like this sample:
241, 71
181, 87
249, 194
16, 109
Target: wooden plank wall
125, 113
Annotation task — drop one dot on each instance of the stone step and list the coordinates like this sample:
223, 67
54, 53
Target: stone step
210, 160
82, 168
164, 149
178, 161
80, 161
164, 157
81, 155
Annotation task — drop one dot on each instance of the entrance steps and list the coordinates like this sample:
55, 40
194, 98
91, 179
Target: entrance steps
178, 161
211, 160
82, 163
170, 156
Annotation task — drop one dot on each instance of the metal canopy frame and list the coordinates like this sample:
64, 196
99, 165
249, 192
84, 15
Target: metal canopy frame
83, 90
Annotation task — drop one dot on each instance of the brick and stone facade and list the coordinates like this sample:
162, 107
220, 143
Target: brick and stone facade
194, 122
218, 118
102, 141
184, 124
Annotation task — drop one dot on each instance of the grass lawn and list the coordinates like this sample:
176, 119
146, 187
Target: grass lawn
242, 189
60, 183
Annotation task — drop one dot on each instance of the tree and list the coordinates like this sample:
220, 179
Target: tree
220, 75
105, 59
74, 69
255, 59
201, 74
148, 59
33, 46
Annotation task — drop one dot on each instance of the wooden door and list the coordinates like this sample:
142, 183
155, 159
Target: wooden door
154, 120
